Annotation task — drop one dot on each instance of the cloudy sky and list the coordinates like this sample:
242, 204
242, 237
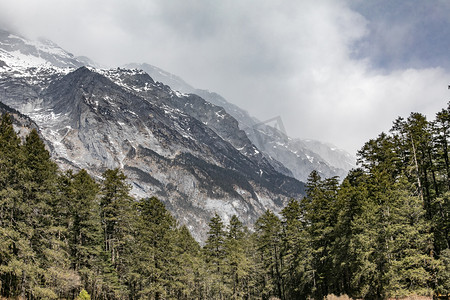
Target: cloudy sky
339, 71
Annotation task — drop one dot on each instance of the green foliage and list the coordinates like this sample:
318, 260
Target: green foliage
298, 271
268, 232
214, 250
153, 253
84, 295
189, 265
116, 214
237, 263
443, 273
214, 246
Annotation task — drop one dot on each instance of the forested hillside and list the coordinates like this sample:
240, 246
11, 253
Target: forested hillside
383, 232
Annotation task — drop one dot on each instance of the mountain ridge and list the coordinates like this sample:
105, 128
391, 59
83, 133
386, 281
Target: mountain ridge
300, 157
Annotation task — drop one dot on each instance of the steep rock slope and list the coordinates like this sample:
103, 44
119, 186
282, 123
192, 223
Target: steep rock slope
299, 156
213, 116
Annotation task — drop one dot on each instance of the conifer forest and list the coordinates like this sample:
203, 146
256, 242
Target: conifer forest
382, 232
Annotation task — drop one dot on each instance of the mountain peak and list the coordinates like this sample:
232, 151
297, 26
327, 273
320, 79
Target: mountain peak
18, 51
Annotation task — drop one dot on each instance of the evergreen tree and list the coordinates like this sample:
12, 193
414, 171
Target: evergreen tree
297, 252
414, 138
116, 215
85, 241
238, 264
214, 250
40, 181
254, 283
15, 251
188, 265
441, 205
441, 131
153, 270
408, 244
443, 274
9, 157
268, 232
352, 197
382, 233
320, 212
441, 222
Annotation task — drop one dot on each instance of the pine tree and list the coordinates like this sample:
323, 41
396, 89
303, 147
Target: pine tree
116, 215
86, 227
414, 138
443, 273
53, 278
15, 251
408, 245
254, 284
10, 157
441, 222
268, 238
297, 253
352, 197
214, 251
238, 264
153, 255
188, 265
116, 205
441, 205
441, 130
320, 211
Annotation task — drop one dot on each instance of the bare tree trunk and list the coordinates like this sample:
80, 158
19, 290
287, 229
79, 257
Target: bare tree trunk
417, 171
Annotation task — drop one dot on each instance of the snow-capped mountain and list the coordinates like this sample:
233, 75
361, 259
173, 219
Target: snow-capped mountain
17, 51
299, 156
186, 151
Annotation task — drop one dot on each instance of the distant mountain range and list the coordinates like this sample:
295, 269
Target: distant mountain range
191, 148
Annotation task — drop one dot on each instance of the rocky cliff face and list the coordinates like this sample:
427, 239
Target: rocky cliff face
180, 148
22, 123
